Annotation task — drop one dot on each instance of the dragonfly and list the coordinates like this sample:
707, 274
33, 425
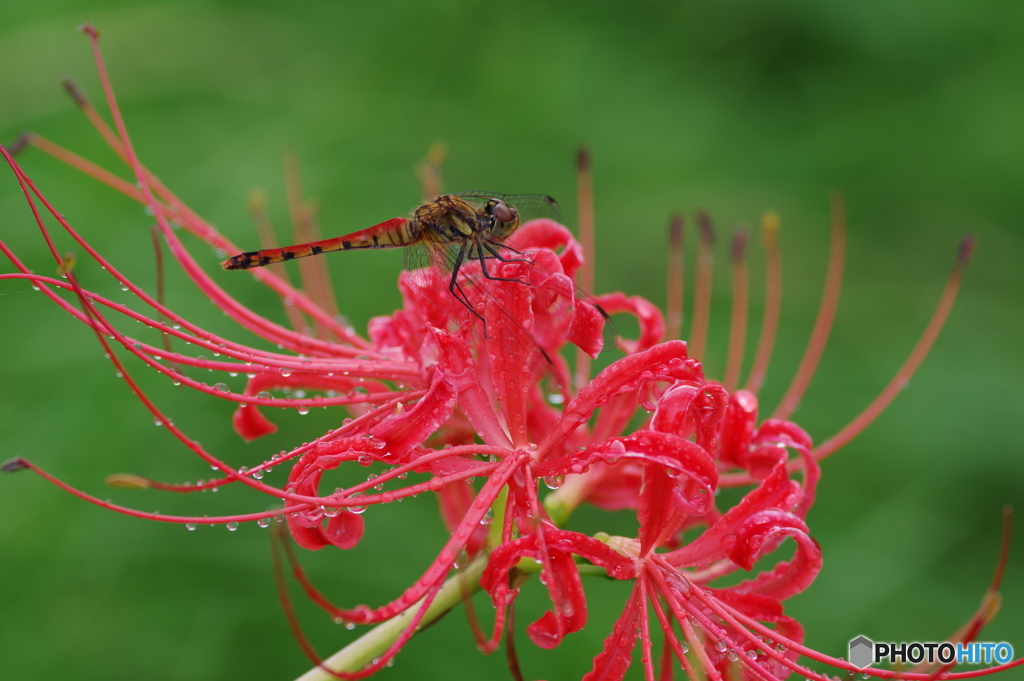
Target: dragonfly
447, 233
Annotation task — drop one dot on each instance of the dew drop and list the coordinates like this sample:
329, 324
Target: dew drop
263, 522
190, 527
554, 481
232, 526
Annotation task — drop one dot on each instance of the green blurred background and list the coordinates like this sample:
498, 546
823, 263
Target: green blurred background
912, 109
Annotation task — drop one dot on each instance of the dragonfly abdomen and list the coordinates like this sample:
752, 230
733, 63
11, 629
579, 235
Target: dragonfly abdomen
393, 233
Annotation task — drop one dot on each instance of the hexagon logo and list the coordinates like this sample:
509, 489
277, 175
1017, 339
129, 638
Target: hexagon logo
862, 651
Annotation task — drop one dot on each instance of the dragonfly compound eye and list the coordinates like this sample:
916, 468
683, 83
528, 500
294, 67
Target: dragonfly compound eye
502, 212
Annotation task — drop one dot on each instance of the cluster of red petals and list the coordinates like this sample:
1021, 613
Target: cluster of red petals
434, 392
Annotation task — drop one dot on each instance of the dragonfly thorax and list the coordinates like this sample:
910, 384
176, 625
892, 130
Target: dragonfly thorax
454, 218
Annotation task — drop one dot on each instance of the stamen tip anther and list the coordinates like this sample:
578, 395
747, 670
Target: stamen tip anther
257, 200
127, 481
739, 244
675, 230
707, 231
19, 144
966, 249
67, 264
75, 91
770, 222
583, 159
13, 465
89, 30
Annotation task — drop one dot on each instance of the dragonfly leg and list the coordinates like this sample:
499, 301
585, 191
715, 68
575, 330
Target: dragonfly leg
456, 289
492, 246
479, 255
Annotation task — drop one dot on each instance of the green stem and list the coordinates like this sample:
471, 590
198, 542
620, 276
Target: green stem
375, 642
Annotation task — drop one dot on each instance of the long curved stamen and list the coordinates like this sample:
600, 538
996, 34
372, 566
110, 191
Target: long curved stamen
314, 271
258, 211
173, 208
740, 298
772, 302
674, 299
585, 276
899, 381
702, 290
826, 313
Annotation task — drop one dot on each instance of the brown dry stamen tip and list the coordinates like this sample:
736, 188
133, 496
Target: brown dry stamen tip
707, 231
583, 158
966, 249
76, 92
13, 465
739, 244
675, 230
88, 29
128, 481
769, 228
19, 144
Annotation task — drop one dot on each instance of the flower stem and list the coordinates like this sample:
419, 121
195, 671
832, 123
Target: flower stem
375, 642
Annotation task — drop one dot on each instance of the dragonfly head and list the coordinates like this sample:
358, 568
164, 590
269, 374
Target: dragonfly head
502, 211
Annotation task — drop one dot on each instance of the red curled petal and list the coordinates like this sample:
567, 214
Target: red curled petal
586, 330
737, 428
788, 578
775, 491
550, 235
406, 430
751, 536
250, 423
494, 579
460, 371
310, 538
649, 317
343, 530
570, 604
509, 314
672, 414
664, 362
616, 655
708, 408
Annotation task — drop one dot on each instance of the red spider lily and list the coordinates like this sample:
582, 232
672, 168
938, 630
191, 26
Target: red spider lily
430, 393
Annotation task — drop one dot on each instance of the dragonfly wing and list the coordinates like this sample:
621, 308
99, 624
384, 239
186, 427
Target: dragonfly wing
530, 206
